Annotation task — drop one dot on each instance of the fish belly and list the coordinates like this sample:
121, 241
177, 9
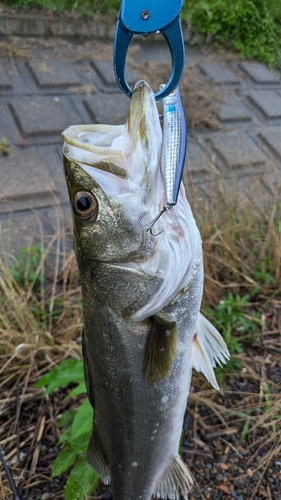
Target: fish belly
138, 424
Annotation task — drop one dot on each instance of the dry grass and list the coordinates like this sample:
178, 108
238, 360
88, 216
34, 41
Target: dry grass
199, 96
33, 338
40, 324
242, 244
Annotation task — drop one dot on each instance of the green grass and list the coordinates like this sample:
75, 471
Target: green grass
76, 427
86, 7
251, 27
248, 26
4, 147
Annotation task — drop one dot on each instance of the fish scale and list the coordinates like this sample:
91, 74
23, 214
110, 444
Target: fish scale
128, 400
141, 295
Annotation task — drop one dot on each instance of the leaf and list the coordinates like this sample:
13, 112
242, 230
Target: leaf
223, 488
83, 420
65, 436
69, 370
64, 460
80, 443
82, 480
66, 418
245, 430
80, 389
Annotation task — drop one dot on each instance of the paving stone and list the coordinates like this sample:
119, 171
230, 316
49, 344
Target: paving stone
8, 128
219, 74
259, 73
30, 227
53, 73
197, 164
269, 103
238, 152
4, 78
272, 183
272, 137
53, 158
233, 110
17, 85
42, 115
20, 230
247, 188
111, 109
106, 72
25, 180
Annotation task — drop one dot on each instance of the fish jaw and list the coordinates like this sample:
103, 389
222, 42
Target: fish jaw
120, 166
123, 159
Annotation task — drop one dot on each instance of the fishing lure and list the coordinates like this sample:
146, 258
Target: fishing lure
173, 151
173, 146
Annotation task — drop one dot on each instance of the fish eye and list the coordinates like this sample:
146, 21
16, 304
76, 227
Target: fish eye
85, 205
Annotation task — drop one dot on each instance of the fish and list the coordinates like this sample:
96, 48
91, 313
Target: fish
141, 294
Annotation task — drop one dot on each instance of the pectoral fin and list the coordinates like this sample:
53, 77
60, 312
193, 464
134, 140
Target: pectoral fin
175, 478
96, 459
160, 349
208, 348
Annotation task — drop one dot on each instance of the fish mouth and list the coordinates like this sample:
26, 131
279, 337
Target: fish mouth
91, 145
105, 147
142, 116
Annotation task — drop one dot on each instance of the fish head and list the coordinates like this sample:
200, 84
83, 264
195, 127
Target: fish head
113, 178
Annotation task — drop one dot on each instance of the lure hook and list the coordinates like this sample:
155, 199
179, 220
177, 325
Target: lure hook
150, 225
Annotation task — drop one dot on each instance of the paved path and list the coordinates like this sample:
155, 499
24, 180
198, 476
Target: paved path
42, 96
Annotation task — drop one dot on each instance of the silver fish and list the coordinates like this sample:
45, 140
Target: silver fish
143, 332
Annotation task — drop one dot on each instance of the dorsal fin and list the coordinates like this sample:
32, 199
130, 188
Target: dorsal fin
160, 349
208, 348
175, 479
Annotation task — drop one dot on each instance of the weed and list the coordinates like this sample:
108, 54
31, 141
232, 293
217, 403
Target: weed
86, 7
27, 267
246, 25
237, 327
4, 147
76, 425
249, 26
262, 276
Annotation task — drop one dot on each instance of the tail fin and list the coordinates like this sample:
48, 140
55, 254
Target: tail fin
208, 348
175, 478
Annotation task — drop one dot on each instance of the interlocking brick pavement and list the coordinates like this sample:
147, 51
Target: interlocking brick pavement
43, 95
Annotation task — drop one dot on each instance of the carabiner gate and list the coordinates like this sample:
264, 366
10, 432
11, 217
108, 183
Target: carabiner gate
145, 19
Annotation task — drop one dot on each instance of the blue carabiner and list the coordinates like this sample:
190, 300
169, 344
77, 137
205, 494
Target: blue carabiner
145, 17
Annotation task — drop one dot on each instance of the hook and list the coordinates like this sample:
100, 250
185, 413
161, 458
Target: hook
152, 223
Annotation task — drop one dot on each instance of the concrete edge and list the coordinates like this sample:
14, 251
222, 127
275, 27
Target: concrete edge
56, 25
